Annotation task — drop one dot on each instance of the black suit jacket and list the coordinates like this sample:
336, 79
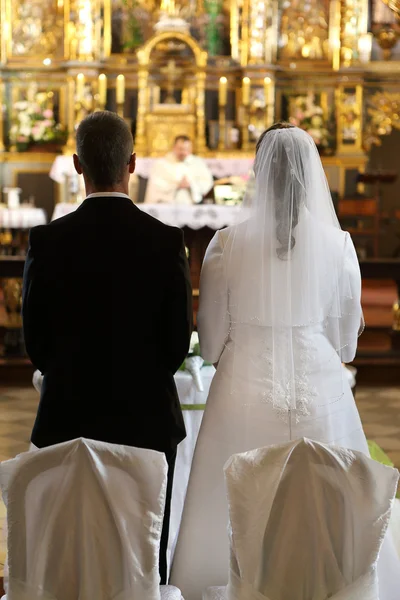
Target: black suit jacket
107, 314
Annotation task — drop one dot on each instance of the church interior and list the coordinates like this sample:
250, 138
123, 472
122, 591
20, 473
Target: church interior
219, 72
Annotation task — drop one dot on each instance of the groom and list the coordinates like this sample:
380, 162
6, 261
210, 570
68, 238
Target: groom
107, 311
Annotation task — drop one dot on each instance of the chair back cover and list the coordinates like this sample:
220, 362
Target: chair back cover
307, 522
84, 522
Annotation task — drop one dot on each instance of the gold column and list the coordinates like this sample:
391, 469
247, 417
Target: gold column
107, 28
234, 30
335, 18
246, 98
6, 30
67, 31
2, 98
70, 147
200, 112
140, 142
269, 98
245, 41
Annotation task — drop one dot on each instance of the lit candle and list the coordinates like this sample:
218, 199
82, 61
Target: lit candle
120, 89
267, 87
246, 91
102, 89
365, 47
222, 91
80, 86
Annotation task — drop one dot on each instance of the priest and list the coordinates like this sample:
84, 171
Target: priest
179, 177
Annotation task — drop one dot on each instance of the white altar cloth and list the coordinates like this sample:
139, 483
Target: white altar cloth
214, 216
219, 167
22, 218
193, 405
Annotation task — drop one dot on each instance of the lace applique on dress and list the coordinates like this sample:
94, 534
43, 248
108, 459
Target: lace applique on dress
281, 395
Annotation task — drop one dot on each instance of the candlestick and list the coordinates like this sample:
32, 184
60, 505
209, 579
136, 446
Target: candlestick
120, 89
267, 87
245, 128
222, 129
102, 90
222, 91
71, 91
80, 87
268, 116
246, 91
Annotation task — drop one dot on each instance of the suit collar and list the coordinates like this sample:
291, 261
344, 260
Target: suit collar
107, 201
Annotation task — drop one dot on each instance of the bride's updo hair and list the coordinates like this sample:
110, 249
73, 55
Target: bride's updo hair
278, 125
284, 229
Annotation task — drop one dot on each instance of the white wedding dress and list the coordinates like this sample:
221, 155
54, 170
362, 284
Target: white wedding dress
255, 323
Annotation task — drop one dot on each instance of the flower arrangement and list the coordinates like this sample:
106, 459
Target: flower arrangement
230, 190
307, 115
193, 362
35, 124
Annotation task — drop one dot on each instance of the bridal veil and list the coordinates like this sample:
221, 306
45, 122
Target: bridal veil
291, 270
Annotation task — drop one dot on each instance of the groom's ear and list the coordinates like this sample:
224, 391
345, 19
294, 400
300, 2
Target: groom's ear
77, 164
132, 164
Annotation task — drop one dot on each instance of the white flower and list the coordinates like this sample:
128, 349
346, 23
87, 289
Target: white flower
24, 118
194, 340
25, 131
21, 105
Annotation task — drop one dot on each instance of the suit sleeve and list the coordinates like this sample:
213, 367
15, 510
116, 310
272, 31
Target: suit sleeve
178, 310
34, 307
213, 318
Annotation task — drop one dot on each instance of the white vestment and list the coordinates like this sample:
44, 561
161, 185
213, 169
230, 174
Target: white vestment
168, 172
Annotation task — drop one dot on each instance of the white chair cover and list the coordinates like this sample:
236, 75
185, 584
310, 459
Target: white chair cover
307, 523
84, 522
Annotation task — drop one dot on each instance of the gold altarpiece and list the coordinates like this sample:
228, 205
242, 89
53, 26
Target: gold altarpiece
217, 70
158, 123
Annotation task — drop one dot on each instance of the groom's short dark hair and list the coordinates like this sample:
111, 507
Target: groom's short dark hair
104, 146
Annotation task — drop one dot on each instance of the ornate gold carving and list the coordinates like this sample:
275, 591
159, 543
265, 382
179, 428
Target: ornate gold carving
387, 39
384, 116
349, 105
37, 27
162, 130
84, 31
254, 31
396, 317
190, 116
394, 6
304, 30
354, 24
12, 290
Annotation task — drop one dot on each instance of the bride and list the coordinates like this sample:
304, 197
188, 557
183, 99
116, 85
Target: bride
279, 312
